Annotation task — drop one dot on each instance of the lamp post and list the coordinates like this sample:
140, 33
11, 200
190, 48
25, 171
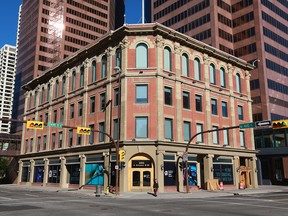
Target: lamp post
253, 63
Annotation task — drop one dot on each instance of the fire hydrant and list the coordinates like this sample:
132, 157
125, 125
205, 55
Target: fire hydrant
107, 190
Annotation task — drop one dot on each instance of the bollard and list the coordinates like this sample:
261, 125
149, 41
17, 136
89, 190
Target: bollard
98, 190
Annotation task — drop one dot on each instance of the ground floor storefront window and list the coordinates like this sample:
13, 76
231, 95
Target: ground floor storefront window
54, 174
73, 173
38, 173
192, 174
94, 174
25, 172
223, 170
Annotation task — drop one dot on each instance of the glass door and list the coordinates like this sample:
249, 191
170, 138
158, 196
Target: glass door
141, 180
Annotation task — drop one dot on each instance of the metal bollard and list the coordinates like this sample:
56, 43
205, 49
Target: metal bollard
98, 190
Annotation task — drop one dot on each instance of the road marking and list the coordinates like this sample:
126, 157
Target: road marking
31, 195
41, 202
6, 198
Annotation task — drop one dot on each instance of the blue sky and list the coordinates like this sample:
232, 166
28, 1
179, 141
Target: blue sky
9, 18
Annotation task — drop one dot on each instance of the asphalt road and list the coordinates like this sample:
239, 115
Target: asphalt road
16, 201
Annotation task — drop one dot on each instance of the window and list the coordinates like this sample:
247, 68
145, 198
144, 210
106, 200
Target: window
186, 100
104, 67
46, 117
215, 135
187, 131
212, 74
242, 138
38, 143
141, 94
44, 142
222, 78
116, 95
197, 69
141, 127
42, 95
35, 98
48, 92
62, 114
56, 89
81, 81
167, 59
91, 136
116, 129
80, 108
118, 56
141, 56
55, 116
199, 128
102, 101
71, 111
73, 84
198, 103
224, 109
185, 65
93, 72
92, 104
226, 137
168, 128
70, 142
79, 136
101, 128
214, 106
60, 139
238, 83
63, 91
53, 141
168, 96
31, 144
240, 113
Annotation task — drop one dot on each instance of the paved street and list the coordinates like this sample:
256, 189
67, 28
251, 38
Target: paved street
46, 201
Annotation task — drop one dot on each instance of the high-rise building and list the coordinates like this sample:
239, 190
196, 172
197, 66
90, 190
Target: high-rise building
7, 81
51, 30
255, 31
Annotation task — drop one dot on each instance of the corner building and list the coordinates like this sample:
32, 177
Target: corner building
171, 87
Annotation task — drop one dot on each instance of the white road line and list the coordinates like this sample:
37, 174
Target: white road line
6, 198
41, 202
31, 195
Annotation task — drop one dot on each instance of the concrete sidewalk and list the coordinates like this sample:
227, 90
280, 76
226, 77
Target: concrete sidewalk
166, 195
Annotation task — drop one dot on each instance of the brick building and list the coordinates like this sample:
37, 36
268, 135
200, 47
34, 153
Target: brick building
171, 87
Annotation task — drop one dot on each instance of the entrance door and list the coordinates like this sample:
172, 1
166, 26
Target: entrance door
141, 180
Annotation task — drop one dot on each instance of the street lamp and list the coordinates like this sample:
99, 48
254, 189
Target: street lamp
253, 63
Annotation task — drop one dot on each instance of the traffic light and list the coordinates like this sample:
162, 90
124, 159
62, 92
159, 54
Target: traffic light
35, 125
83, 130
280, 124
121, 155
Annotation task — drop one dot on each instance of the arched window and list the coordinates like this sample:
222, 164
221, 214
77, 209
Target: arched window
56, 89
81, 81
35, 98
197, 69
238, 83
42, 95
104, 67
63, 91
118, 56
73, 84
93, 72
185, 65
30, 101
212, 74
167, 59
222, 78
48, 92
141, 56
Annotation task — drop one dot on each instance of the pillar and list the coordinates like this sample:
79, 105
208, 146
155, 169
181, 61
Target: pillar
236, 164
107, 168
82, 170
46, 171
63, 174
31, 177
159, 169
253, 165
208, 167
20, 171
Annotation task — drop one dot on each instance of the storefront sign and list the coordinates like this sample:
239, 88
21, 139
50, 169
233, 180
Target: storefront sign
141, 164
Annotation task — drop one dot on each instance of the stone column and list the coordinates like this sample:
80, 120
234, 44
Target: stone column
82, 170
208, 167
46, 171
20, 171
159, 169
254, 180
63, 174
107, 170
180, 187
236, 177
32, 166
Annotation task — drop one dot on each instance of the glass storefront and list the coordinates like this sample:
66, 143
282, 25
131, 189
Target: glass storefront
54, 170
38, 173
25, 171
170, 173
192, 174
223, 170
73, 169
94, 174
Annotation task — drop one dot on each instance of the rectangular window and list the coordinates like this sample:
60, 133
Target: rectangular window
187, 131
55, 116
79, 136
91, 136
116, 129
71, 111
102, 101
141, 94
92, 104
168, 96
116, 94
242, 138
38, 144
44, 142
240, 113
224, 109
198, 103
141, 127
186, 100
80, 108
62, 114
226, 137
199, 128
168, 128
101, 128
214, 106
46, 117
60, 140
53, 138
31, 144
26, 145
215, 135
70, 142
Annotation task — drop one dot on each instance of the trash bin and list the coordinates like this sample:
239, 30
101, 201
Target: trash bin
98, 190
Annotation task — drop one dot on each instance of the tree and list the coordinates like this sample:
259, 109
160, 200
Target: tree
3, 167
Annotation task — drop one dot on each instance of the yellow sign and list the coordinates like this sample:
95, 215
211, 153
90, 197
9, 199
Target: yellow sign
83, 130
280, 124
35, 125
121, 155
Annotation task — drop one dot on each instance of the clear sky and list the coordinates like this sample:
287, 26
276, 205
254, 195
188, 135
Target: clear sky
9, 18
